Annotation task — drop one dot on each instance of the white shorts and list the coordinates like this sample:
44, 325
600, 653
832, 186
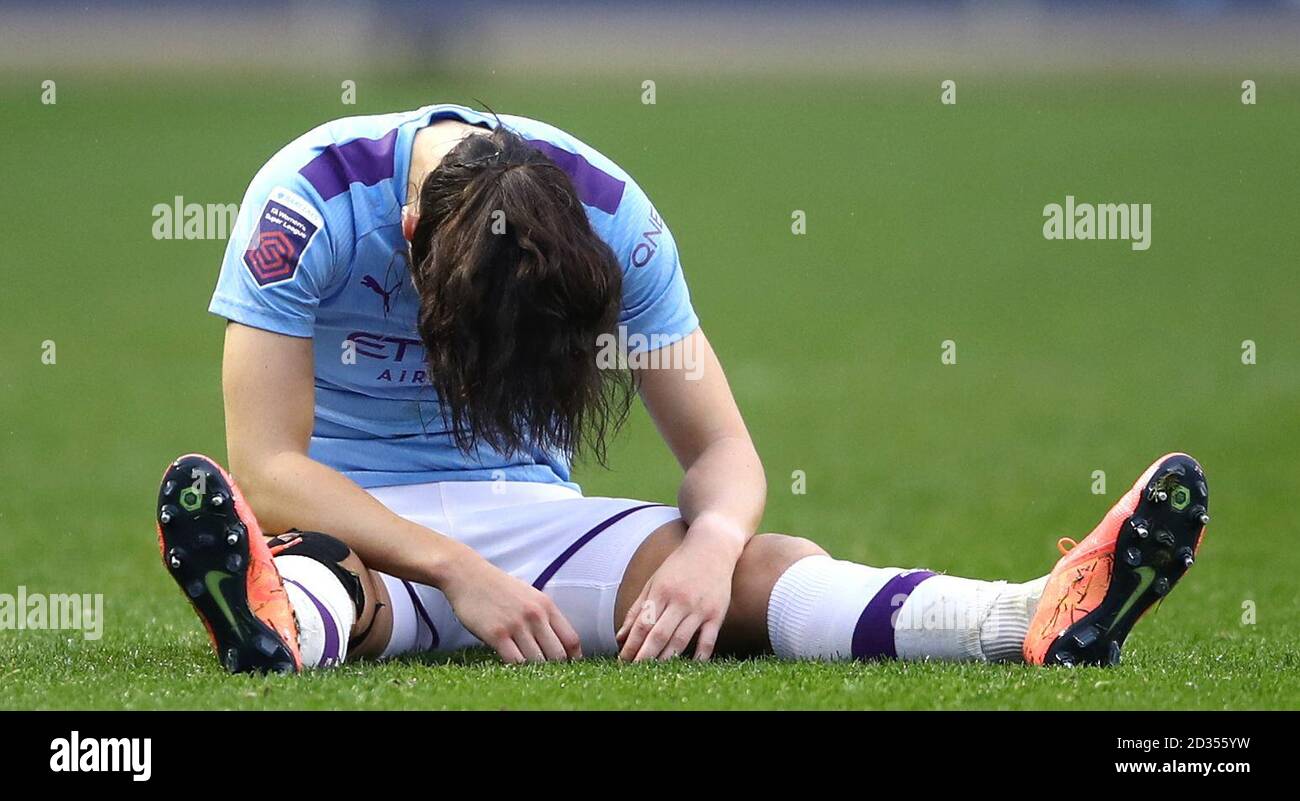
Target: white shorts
573, 548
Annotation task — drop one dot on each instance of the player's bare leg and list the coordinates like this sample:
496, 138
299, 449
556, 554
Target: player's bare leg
764, 560
790, 598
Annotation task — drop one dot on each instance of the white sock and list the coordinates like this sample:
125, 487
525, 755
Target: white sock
823, 608
1002, 637
959, 619
413, 630
321, 604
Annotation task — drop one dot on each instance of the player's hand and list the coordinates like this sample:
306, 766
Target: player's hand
685, 599
517, 620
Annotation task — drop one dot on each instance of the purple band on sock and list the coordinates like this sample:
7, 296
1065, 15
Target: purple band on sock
873, 637
331, 651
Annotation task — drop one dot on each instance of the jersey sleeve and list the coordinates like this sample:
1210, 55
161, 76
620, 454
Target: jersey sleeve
656, 301
279, 260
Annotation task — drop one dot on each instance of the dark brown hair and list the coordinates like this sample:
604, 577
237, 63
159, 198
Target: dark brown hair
515, 289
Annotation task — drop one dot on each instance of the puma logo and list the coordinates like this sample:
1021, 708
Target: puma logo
378, 289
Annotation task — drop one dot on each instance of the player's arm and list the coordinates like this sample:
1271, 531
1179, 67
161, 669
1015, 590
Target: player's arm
269, 389
696, 414
721, 499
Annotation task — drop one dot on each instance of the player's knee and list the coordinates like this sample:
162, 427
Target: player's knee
765, 558
773, 553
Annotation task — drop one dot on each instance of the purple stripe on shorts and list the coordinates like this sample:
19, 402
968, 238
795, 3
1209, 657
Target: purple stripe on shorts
873, 637
551, 569
331, 651
595, 186
423, 613
361, 161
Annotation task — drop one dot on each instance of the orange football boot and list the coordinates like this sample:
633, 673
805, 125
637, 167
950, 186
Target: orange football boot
1133, 558
214, 548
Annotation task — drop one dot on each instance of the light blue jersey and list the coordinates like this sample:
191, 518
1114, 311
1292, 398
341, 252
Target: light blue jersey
318, 252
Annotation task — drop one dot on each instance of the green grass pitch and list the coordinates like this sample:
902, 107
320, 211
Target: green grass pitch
923, 225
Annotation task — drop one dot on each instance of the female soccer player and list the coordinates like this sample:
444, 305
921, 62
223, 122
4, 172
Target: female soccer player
429, 316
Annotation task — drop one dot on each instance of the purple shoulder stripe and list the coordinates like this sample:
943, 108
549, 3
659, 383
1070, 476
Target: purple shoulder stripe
595, 187
361, 161
873, 637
